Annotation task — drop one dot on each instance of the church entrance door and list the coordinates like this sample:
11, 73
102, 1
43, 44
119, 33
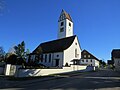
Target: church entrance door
57, 62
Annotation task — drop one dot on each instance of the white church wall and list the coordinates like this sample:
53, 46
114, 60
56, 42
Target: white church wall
69, 54
58, 56
69, 29
54, 57
46, 62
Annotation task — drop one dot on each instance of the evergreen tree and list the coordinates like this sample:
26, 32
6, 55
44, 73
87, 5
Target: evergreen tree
20, 51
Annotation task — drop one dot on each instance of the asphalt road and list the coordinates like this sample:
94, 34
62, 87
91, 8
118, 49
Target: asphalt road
100, 80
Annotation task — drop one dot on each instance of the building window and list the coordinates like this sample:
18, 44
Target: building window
75, 43
76, 53
61, 29
42, 58
88, 56
63, 16
84, 56
69, 24
49, 57
91, 60
62, 23
86, 60
46, 58
57, 55
83, 60
33, 57
36, 58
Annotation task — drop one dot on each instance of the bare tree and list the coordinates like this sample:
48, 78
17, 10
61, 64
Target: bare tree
2, 54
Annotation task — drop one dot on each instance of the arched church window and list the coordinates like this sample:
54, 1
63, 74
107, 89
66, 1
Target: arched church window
69, 24
76, 53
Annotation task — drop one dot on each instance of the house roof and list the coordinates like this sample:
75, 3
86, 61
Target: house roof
85, 52
110, 62
55, 46
115, 53
67, 16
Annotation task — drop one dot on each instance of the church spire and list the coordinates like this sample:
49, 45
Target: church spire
65, 25
64, 15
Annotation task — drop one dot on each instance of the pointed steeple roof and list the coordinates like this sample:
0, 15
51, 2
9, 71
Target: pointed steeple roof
66, 15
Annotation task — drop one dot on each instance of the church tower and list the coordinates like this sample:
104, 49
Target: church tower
65, 25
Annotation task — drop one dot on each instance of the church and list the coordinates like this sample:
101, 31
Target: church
63, 51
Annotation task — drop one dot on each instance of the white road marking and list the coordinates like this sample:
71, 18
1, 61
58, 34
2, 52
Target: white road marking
117, 78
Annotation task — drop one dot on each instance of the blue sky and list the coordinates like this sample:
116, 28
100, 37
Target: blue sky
96, 23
